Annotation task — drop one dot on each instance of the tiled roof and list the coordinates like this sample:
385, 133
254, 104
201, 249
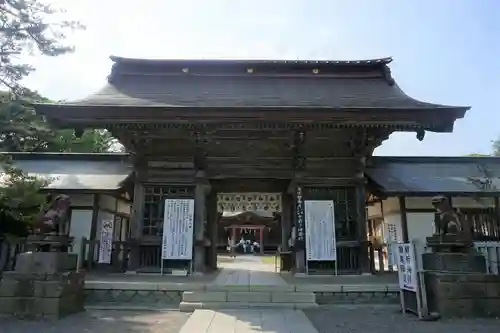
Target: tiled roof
100, 172
434, 175
252, 83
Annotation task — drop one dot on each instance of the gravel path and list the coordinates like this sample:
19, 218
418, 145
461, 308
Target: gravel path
107, 321
378, 319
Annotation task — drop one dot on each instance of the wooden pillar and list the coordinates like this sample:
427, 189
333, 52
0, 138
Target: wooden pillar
362, 229
200, 218
233, 235
497, 215
93, 229
371, 249
261, 240
212, 226
136, 225
286, 219
404, 219
299, 224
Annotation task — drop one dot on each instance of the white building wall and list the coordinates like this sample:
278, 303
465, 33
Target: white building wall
80, 225
107, 202
392, 221
81, 200
420, 224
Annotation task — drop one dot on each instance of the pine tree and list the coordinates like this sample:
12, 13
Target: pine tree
26, 27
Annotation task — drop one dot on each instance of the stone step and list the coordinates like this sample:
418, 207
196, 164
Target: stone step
192, 306
249, 296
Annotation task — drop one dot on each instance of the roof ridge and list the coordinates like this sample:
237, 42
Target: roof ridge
242, 61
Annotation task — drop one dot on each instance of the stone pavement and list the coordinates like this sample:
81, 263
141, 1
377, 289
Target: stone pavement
383, 319
248, 321
108, 321
247, 270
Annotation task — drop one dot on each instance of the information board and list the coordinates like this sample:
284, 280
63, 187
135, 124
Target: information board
407, 268
177, 240
106, 242
320, 230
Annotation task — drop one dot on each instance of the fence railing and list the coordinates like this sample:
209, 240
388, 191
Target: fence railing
381, 259
491, 251
89, 256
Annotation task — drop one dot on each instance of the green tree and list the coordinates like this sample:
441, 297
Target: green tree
21, 129
29, 27
496, 147
20, 198
477, 155
26, 27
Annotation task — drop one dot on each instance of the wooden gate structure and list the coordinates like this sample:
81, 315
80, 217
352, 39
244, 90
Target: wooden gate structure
305, 129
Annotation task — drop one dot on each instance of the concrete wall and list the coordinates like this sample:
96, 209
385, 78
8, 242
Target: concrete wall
420, 215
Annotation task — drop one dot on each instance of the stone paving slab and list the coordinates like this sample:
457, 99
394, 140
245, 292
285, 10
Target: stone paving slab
102, 321
248, 270
248, 321
383, 319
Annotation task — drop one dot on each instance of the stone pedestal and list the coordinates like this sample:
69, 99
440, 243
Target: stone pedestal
44, 285
456, 281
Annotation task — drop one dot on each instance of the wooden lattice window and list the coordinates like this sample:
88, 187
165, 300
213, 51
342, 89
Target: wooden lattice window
484, 223
154, 206
346, 209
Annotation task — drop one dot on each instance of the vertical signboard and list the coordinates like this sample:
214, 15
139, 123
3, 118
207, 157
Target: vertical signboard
106, 242
390, 240
177, 241
320, 230
407, 268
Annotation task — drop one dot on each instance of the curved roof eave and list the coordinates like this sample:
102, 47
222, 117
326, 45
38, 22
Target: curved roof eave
208, 61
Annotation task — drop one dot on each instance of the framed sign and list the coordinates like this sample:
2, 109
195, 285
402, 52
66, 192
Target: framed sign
321, 244
106, 242
177, 240
407, 268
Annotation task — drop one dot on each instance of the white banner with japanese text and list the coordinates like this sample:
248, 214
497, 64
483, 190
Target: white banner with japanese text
106, 242
407, 266
321, 244
177, 241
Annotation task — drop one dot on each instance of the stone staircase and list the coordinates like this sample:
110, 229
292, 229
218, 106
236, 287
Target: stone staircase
235, 297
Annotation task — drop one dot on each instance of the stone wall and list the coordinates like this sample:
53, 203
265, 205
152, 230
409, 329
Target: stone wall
362, 297
41, 295
128, 297
463, 295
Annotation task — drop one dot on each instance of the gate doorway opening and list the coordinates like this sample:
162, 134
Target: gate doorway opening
248, 224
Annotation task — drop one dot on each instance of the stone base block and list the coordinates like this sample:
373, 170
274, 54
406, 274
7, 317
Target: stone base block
471, 262
463, 295
39, 307
45, 262
41, 295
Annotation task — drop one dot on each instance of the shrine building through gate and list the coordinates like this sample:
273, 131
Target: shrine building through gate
300, 130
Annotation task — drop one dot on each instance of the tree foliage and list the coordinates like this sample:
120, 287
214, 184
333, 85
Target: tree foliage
29, 27
21, 129
496, 147
21, 199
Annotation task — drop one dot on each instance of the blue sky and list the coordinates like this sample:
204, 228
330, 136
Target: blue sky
445, 51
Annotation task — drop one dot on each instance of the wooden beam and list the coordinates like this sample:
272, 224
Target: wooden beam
404, 218
497, 212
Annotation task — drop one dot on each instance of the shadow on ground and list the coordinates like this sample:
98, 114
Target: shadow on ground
102, 322
383, 319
